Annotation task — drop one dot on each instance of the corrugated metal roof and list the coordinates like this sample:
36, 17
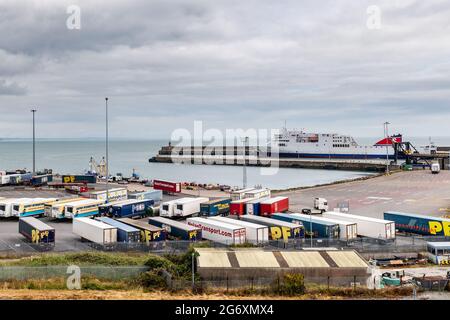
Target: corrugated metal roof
213, 259
304, 259
256, 259
347, 259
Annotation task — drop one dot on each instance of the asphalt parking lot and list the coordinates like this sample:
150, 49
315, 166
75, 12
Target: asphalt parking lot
415, 191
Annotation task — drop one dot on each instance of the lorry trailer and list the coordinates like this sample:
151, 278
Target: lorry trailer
215, 207
177, 229
237, 207
239, 194
114, 194
218, 231
278, 230
167, 208
419, 224
188, 207
272, 205
155, 195
125, 233
79, 178
149, 233
55, 210
131, 208
255, 233
367, 227
253, 206
94, 231
257, 194
82, 208
42, 180
33, 207
36, 231
6, 206
317, 227
167, 186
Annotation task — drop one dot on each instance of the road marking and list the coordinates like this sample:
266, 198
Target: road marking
409, 200
379, 198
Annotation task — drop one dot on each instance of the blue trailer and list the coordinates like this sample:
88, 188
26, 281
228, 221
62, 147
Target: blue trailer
215, 207
125, 233
320, 229
42, 180
253, 206
131, 208
419, 224
155, 195
177, 229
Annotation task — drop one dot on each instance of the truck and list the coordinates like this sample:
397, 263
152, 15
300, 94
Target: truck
257, 193
419, 224
188, 207
79, 178
278, 230
255, 233
217, 231
215, 207
237, 207
367, 227
320, 227
272, 205
155, 195
36, 231
131, 208
149, 233
125, 233
167, 186
94, 231
435, 168
239, 194
253, 206
319, 207
177, 229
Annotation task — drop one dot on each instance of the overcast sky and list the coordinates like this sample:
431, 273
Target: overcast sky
232, 64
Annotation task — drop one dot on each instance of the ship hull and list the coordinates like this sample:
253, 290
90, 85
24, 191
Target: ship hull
334, 155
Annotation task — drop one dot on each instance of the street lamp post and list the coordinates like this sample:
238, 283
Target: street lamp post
107, 156
244, 173
34, 142
386, 134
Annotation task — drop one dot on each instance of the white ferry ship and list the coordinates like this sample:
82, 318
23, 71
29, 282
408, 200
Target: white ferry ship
299, 144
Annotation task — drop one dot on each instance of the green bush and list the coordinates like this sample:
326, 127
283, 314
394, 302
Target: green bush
152, 279
292, 284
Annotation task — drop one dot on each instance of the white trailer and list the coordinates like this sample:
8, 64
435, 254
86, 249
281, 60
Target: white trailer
255, 233
347, 230
218, 231
257, 194
5, 179
7, 204
239, 194
114, 194
167, 209
367, 227
188, 207
94, 230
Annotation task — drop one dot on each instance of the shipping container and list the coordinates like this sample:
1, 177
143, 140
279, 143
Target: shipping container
79, 179
419, 224
257, 194
36, 231
215, 207
177, 229
114, 194
131, 208
188, 207
278, 230
218, 231
167, 209
272, 205
125, 233
253, 206
320, 228
7, 204
367, 227
237, 207
155, 195
254, 233
94, 231
42, 180
167, 186
33, 207
239, 194
55, 210
83, 208
149, 232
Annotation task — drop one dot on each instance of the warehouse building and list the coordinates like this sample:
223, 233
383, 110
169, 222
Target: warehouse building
328, 266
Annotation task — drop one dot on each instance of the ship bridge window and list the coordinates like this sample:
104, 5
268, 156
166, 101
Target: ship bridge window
282, 144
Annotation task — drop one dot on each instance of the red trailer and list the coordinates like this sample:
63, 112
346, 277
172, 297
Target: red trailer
167, 186
237, 207
273, 205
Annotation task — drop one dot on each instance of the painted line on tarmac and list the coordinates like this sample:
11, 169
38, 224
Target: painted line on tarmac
379, 198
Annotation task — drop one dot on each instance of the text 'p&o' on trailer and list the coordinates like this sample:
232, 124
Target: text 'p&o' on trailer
36, 231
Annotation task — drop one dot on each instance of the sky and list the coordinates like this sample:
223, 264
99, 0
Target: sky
322, 66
